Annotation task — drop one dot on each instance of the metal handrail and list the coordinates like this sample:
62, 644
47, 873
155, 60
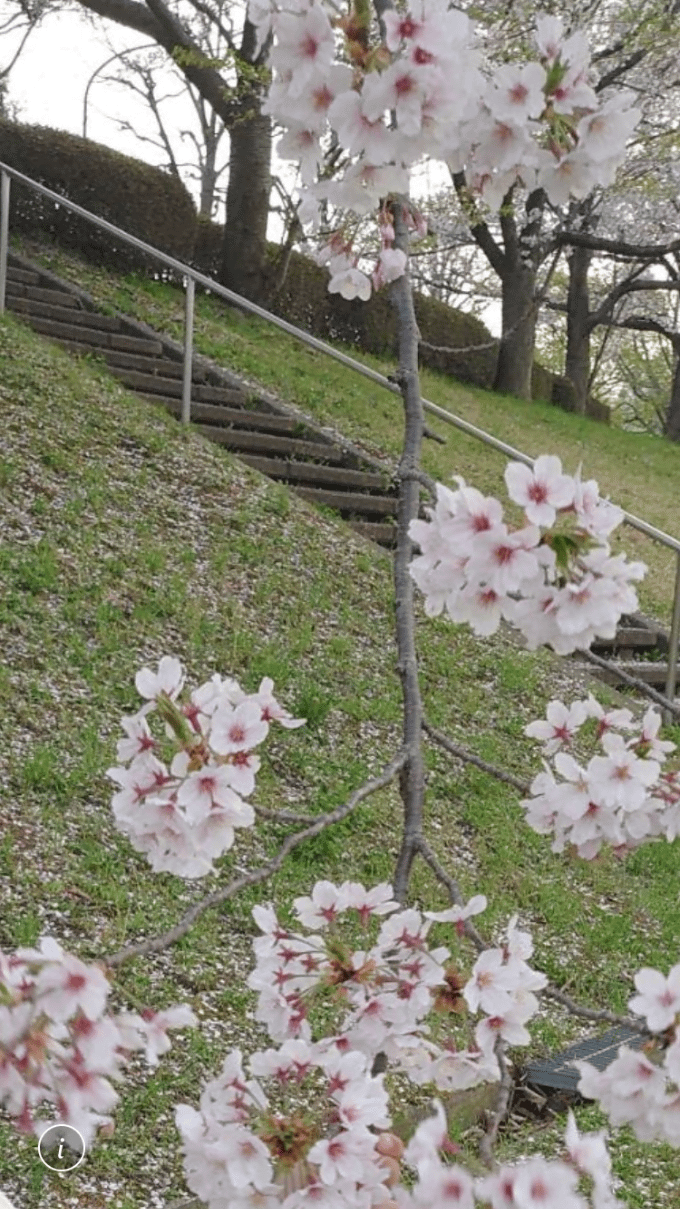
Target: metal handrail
192, 278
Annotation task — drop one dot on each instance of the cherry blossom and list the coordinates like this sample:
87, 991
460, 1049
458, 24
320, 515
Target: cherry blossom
658, 999
540, 490
563, 590
620, 798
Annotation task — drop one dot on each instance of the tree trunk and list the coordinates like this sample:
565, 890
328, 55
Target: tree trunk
244, 247
516, 353
209, 173
577, 363
672, 422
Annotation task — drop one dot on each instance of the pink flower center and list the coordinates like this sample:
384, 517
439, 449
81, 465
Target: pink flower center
538, 492
404, 85
309, 47
407, 28
519, 93
322, 97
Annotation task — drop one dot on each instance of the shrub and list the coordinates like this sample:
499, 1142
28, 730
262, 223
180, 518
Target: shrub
142, 200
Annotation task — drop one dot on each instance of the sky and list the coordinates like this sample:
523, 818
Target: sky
48, 94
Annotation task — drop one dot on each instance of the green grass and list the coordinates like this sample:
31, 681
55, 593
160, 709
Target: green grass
639, 472
123, 538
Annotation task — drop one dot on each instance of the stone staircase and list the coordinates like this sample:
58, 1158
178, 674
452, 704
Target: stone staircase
323, 468
320, 466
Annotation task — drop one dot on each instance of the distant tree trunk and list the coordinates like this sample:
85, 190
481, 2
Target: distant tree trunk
672, 421
244, 247
516, 352
577, 363
209, 174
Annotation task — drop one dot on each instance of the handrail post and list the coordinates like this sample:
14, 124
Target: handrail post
4, 236
188, 348
673, 637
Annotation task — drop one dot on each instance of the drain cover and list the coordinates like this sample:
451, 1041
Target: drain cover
558, 1073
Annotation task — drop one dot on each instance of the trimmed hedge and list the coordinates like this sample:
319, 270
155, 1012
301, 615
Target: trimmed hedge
157, 208
304, 300
142, 200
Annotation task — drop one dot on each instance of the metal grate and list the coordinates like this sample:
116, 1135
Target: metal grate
558, 1072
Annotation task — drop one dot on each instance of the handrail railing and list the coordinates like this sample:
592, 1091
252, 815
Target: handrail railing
192, 278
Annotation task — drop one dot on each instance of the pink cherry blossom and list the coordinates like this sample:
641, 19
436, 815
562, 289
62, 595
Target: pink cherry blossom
350, 283
540, 491
659, 997
562, 723
168, 679
517, 92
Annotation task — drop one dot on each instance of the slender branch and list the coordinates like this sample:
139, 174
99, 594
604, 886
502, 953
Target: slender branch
454, 891
469, 757
412, 779
282, 816
633, 681
478, 227
575, 1009
500, 1112
419, 476
618, 247
155, 944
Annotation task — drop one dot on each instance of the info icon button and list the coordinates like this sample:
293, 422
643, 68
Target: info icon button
61, 1147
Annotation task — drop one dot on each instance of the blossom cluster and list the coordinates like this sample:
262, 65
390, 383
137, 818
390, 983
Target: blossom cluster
383, 993
643, 1089
252, 1139
240, 1152
57, 1043
418, 88
561, 587
182, 814
620, 798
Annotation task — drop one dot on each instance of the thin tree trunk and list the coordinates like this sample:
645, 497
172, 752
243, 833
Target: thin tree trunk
672, 422
244, 247
412, 778
516, 353
577, 362
209, 173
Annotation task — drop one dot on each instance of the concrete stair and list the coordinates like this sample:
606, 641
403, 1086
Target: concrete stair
321, 470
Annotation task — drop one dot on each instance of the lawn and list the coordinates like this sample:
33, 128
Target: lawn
124, 538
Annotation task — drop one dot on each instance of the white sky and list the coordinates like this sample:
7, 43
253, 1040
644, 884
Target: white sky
49, 81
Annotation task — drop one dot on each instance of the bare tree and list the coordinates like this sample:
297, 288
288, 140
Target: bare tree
232, 86
144, 72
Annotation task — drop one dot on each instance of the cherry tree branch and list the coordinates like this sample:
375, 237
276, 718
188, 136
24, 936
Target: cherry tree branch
155, 944
454, 891
633, 682
468, 757
601, 1015
500, 1112
412, 779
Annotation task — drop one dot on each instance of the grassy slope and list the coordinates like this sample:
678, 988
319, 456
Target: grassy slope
123, 538
641, 473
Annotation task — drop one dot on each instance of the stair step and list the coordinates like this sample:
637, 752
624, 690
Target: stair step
350, 501
256, 421
92, 341
171, 388
376, 531
237, 440
69, 317
14, 273
627, 636
41, 294
652, 673
122, 359
309, 472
